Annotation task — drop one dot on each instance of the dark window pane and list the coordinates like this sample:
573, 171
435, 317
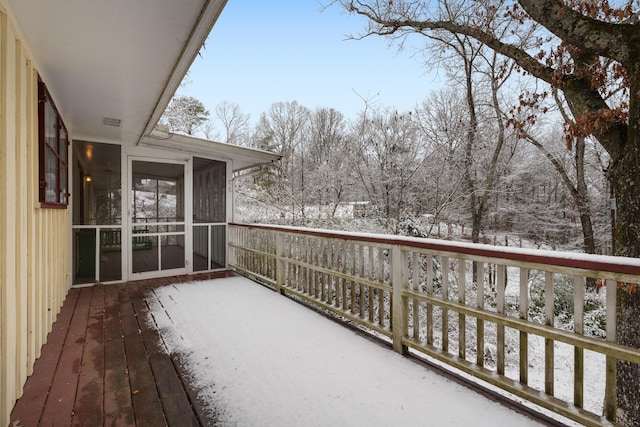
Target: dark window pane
51, 175
53, 151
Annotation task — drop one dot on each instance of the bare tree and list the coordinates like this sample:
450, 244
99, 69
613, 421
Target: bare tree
235, 124
588, 50
443, 131
283, 129
329, 177
388, 159
185, 114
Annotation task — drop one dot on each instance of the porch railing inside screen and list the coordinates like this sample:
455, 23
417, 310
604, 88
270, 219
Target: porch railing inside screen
424, 295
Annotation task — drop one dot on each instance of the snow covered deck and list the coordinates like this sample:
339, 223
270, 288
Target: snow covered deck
527, 322
260, 359
240, 354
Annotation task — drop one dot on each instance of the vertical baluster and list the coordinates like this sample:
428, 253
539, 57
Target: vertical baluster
500, 288
305, 260
293, 255
462, 319
274, 264
445, 297
299, 280
280, 262
323, 263
360, 285
524, 315
415, 284
240, 252
333, 281
370, 290
313, 259
252, 259
343, 269
429, 305
259, 246
329, 276
336, 267
314, 263
548, 342
578, 352
254, 256
610, 402
319, 263
259, 256
299, 258
339, 257
241, 242
480, 305
307, 263
380, 291
289, 251
266, 247
352, 271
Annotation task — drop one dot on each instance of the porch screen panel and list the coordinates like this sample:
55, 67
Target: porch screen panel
97, 211
84, 256
110, 254
218, 244
157, 232
209, 214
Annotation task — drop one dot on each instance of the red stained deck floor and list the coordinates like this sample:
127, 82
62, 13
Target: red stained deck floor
104, 365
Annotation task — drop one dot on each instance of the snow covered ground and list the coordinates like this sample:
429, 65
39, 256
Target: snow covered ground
263, 360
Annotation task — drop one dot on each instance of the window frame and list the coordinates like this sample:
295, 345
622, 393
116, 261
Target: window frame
57, 148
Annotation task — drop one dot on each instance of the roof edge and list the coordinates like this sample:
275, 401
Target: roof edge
208, 16
250, 157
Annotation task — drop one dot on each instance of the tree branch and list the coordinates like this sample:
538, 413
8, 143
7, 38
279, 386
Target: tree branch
599, 37
386, 25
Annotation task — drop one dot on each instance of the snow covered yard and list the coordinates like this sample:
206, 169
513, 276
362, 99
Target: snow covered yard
263, 360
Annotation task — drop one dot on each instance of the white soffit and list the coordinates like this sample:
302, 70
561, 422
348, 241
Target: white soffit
113, 66
242, 157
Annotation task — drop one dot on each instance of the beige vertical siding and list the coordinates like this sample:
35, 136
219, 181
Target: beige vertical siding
34, 242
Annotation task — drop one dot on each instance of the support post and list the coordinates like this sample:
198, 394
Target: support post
281, 264
399, 309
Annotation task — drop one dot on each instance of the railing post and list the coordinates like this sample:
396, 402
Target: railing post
281, 265
399, 310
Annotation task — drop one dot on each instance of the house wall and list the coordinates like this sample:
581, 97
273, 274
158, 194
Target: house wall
34, 242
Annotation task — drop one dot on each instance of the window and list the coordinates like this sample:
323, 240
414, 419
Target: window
53, 143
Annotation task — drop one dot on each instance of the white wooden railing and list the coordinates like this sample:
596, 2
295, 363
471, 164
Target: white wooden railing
455, 302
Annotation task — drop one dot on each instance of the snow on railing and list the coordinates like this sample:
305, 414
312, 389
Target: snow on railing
524, 321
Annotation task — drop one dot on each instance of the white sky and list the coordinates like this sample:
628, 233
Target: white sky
265, 360
261, 52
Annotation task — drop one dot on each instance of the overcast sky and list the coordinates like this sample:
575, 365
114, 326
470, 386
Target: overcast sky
261, 52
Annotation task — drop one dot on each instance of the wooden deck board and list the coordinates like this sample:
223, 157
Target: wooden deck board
59, 406
89, 404
28, 409
176, 405
118, 409
104, 364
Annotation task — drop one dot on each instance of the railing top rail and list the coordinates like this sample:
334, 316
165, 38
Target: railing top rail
612, 264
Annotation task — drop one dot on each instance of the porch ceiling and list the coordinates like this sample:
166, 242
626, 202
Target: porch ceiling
117, 59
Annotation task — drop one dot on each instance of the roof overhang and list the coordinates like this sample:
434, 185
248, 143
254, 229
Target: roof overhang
115, 59
242, 158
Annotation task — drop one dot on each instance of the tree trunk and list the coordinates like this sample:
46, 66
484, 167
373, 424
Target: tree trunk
626, 182
583, 201
476, 226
